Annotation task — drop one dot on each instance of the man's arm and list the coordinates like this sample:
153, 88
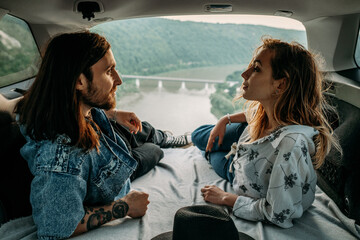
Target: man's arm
127, 119
8, 105
134, 205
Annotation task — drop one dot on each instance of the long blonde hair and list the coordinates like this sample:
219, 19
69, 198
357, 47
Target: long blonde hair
302, 102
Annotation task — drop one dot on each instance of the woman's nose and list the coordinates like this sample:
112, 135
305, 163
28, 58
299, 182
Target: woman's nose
245, 74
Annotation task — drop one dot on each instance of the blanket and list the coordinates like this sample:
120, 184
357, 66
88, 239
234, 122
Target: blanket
176, 182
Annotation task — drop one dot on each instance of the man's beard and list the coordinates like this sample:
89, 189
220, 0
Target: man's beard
95, 98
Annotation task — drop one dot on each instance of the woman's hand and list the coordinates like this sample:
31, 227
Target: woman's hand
220, 128
217, 131
218, 196
127, 119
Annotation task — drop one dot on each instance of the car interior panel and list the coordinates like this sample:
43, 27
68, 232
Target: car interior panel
332, 29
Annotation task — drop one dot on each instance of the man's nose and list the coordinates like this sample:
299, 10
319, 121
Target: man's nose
118, 80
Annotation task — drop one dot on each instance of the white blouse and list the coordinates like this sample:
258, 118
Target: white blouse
274, 176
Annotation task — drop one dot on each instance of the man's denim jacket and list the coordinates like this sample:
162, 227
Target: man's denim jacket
66, 178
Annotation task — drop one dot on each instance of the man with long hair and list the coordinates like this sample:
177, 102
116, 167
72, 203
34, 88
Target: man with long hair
81, 151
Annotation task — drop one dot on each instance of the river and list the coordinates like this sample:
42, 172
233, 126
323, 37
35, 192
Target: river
176, 107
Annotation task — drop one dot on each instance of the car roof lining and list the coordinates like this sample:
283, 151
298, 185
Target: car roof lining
3, 12
55, 11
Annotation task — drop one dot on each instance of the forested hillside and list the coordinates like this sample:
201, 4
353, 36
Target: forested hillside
156, 45
18, 51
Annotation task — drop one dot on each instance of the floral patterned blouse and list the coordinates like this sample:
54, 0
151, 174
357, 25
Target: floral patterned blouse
274, 176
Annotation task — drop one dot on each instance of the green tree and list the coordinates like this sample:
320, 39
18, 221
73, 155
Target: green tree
222, 100
18, 50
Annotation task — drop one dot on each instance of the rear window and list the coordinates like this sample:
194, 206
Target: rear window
19, 55
181, 72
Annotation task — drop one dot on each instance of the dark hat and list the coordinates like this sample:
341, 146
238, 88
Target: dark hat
203, 222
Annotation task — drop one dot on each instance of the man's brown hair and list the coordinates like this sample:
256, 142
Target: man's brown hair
51, 106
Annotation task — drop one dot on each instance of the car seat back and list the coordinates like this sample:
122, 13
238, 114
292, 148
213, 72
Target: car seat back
339, 176
15, 176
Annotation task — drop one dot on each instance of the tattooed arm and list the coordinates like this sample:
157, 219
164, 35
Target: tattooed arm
134, 205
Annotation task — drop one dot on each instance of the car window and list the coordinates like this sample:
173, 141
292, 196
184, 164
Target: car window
357, 50
19, 54
181, 73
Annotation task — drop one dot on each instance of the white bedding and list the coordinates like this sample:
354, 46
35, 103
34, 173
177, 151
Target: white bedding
175, 183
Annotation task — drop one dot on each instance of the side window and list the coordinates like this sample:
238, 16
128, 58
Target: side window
357, 51
19, 54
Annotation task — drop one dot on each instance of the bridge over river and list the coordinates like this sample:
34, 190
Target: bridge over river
174, 79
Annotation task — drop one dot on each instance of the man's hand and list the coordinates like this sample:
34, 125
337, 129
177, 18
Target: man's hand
127, 119
8, 105
137, 202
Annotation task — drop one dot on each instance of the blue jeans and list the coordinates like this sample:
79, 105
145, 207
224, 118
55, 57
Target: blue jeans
216, 157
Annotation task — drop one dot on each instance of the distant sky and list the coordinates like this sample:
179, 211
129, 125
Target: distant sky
272, 21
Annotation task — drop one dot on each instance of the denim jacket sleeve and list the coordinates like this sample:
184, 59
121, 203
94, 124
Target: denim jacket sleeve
59, 186
59, 197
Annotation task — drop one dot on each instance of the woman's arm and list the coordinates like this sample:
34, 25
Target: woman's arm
236, 117
218, 196
220, 127
134, 205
